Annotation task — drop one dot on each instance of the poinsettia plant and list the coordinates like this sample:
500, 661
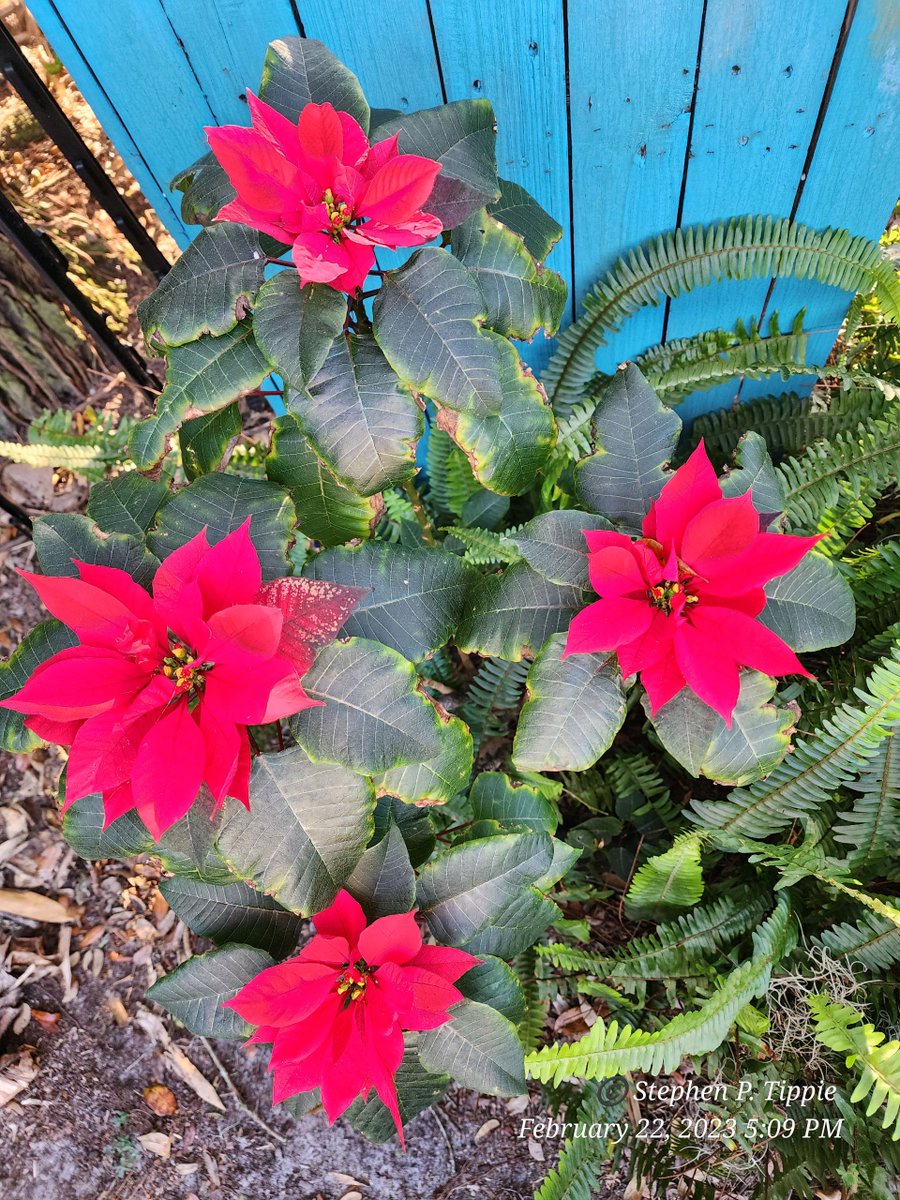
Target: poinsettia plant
286, 680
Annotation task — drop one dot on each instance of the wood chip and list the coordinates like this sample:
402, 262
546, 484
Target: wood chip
487, 1129
156, 1143
345, 1181
536, 1150
161, 1100
34, 907
16, 1073
118, 1010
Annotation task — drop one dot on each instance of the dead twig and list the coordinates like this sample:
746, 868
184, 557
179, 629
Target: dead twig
239, 1099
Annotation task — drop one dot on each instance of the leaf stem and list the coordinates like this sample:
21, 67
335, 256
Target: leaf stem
421, 515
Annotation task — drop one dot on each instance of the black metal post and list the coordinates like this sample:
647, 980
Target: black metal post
23, 77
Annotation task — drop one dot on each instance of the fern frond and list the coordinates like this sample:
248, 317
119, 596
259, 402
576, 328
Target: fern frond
529, 970
676, 949
92, 461
450, 478
875, 579
832, 756
840, 1028
498, 685
577, 1174
673, 879
873, 941
484, 547
677, 262
610, 1050
872, 826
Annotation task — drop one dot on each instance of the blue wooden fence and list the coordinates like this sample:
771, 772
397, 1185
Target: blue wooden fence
624, 117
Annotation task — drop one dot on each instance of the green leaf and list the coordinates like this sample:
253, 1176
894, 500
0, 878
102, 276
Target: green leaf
298, 71
553, 544
220, 504
512, 614
519, 211
670, 880
204, 440
417, 1089
495, 983
205, 189
383, 880
574, 708
62, 538
202, 376
508, 448
517, 806
195, 992
427, 320
126, 504
415, 825
307, 828
415, 600
480, 894
233, 913
479, 1048
373, 717
461, 136
296, 326
753, 472
438, 779
363, 423
328, 512
188, 847
811, 607
695, 735
45, 640
82, 828
520, 295
635, 436
209, 289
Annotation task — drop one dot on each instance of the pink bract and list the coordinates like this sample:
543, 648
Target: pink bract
156, 699
321, 187
679, 605
336, 1013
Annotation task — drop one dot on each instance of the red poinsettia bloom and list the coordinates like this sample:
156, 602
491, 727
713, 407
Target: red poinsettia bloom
336, 1013
319, 185
679, 604
155, 700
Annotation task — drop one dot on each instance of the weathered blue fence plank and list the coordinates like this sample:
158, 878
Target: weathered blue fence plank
594, 116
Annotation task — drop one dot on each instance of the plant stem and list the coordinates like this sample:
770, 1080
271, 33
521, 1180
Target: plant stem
421, 515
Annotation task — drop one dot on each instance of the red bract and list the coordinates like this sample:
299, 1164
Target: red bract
155, 700
679, 604
320, 186
336, 1013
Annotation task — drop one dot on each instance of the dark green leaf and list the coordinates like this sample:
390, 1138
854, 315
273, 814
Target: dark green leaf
83, 830
298, 71
233, 913
126, 504
415, 825
417, 1089
753, 472
209, 289
195, 992
373, 717
188, 847
573, 710
45, 640
516, 806
296, 326
416, 597
220, 504
521, 296
201, 377
307, 828
204, 440
519, 211
477, 1047
438, 779
512, 614
496, 984
327, 511
62, 538
554, 545
205, 188
811, 607
461, 136
383, 880
636, 436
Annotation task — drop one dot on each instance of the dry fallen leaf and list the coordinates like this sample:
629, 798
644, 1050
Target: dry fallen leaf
518, 1104
34, 907
487, 1129
535, 1150
343, 1180
156, 1143
16, 1073
161, 1099
193, 1078
48, 1021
